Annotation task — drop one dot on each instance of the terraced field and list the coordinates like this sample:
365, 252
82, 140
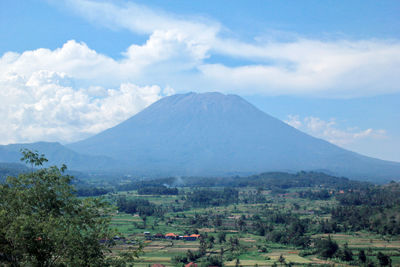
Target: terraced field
253, 249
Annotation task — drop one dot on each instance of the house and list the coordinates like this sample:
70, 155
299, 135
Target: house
119, 239
147, 235
191, 264
158, 265
158, 235
195, 236
171, 236
192, 237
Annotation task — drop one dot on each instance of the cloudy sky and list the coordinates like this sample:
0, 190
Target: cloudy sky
72, 68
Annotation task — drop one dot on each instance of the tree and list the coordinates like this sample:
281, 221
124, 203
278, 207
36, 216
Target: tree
213, 261
210, 241
237, 263
34, 158
281, 259
326, 247
221, 237
203, 246
42, 222
384, 260
192, 256
144, 218
241, 223
346, 253
362, 257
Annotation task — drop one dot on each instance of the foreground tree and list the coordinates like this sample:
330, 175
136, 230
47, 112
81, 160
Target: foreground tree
42, 222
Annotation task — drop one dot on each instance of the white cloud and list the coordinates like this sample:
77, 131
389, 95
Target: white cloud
73, 58
43, 106
330, 130
309, 67
141, 19
177, 50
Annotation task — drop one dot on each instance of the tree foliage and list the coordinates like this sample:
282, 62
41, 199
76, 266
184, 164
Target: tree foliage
383, 259
43, 223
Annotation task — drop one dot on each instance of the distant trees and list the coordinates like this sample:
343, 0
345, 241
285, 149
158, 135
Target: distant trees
241, 223
42, 222
362, 257
157, 190
269, 180
281, 259
383, 259
345, 253
282, 227
322, 194
141, 206
214, 261
221, 237
373, 208
91, 191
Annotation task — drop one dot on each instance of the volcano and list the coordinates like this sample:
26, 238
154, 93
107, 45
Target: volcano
215, 134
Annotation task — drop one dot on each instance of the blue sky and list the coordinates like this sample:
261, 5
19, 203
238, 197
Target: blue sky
69, 69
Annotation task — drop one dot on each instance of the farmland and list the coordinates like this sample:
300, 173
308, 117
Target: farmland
252, 226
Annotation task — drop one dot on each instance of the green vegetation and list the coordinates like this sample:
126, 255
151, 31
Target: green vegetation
271, 219
265, 222
42, 222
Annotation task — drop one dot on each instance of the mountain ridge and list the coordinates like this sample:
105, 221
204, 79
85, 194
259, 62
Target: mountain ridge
57, 154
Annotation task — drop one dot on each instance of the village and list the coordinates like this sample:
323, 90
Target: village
171, 236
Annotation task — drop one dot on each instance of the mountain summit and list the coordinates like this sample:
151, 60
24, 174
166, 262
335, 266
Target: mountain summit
215, 134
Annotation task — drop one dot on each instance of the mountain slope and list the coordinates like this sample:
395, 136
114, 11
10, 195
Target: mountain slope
11, 169
212, 133
58, 154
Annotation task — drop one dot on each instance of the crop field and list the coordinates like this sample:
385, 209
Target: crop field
237, 222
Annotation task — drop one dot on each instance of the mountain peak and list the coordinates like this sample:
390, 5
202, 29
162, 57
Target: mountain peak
197, 104
208, 97
212, 134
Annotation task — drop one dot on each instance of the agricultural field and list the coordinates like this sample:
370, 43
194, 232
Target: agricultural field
249, 226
